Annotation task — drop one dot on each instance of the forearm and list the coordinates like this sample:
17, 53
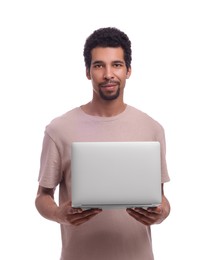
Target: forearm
46, 206
166, 207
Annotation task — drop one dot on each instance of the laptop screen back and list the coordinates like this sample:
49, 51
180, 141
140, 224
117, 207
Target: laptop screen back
115, 174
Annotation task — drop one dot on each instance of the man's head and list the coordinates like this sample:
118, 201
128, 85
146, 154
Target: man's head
107, 37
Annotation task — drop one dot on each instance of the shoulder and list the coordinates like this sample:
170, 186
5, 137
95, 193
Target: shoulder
146, 124
62, 122
69, 115
143, 116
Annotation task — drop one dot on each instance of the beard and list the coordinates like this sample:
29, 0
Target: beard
109, 97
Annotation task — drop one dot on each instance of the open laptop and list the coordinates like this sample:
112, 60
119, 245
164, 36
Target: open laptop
115, 174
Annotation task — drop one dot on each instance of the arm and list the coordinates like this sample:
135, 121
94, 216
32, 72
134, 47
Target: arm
63, 214
152, 215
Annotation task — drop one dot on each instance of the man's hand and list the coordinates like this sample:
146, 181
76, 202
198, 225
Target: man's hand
151, 215
147, 216
65, 214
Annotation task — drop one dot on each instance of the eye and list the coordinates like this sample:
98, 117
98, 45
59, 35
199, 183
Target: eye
98, 66
117, 65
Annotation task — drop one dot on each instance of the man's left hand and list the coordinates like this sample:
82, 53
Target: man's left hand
153, 215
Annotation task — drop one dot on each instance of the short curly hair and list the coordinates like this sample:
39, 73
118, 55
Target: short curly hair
107, 37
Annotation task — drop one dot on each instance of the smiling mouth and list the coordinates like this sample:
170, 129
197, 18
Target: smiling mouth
109, 85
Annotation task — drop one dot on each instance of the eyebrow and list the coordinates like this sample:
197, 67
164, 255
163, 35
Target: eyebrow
101, 62
97, 62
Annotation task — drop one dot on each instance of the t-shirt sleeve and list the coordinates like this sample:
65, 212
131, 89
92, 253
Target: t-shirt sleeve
164, 170
50, 173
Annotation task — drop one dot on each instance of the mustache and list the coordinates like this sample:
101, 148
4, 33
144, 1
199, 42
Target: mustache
103, 84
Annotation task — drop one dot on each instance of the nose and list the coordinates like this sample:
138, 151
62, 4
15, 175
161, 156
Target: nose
108, 74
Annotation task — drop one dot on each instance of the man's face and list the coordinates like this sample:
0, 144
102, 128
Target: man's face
108, 72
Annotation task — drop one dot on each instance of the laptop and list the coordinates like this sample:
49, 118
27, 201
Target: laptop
115, 174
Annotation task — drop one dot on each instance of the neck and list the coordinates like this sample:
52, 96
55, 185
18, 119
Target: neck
104, 108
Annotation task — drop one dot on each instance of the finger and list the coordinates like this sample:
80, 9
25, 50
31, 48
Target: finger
80, 218
139, 217
143, 216
140, 211
83, 220
74, 210
87, 213
156, 210
84, 214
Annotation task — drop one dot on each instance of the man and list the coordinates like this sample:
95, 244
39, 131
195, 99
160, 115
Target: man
100, 234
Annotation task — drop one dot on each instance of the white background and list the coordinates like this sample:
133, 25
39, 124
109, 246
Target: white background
42, 75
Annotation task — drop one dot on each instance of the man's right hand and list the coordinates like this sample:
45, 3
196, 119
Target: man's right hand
65, 214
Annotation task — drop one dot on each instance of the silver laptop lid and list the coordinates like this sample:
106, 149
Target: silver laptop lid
115, 174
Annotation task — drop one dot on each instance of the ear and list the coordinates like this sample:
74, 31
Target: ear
88, 74
129, 71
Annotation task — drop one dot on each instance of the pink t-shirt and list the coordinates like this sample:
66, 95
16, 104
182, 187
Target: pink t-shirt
112, 234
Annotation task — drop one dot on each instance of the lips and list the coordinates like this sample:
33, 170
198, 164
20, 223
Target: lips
109, 86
